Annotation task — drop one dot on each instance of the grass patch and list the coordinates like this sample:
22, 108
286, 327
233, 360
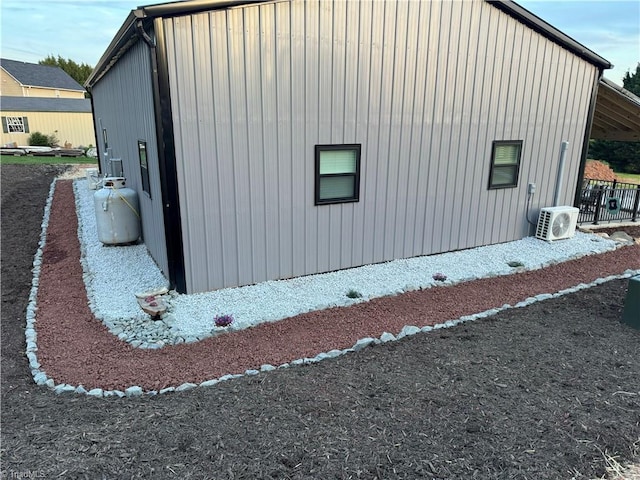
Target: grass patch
628, 177
44, 160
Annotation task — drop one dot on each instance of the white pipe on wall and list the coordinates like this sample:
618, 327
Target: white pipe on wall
563, 155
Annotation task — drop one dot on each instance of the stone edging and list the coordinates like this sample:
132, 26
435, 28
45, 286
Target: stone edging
40, 377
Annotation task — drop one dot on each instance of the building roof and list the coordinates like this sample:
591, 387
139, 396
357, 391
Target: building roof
617, 114
35, 75
549, 31
143, 16
37, 104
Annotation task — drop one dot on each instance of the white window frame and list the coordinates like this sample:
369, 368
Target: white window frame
15, 125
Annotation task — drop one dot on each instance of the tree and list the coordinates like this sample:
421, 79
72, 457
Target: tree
78, 71
632, 82
622, 156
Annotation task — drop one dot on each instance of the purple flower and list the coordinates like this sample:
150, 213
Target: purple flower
439, 277
223, 320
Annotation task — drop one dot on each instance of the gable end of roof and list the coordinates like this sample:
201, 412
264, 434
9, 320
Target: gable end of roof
128, 34
549, 31
36, 75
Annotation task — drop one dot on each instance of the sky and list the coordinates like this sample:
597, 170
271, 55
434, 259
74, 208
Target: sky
81, 30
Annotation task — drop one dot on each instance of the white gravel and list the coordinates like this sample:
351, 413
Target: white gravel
114, 274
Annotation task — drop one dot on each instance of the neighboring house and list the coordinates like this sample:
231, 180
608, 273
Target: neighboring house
40, 98
22, 79
274, 139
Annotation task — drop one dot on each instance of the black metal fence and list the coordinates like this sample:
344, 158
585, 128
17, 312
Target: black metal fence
606, 201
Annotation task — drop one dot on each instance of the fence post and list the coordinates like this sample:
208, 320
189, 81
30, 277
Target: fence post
596, 215
636, 204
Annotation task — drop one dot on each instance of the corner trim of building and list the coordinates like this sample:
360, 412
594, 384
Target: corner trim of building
167, 159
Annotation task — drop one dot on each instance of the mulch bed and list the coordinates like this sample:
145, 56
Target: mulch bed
539, 392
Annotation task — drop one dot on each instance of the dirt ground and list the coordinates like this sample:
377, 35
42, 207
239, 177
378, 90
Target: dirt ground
550, 391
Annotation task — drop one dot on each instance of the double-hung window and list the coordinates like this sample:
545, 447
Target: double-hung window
337, 174
505, 164
15, 125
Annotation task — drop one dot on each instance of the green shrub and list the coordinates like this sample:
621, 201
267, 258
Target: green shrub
354, 294
37, 139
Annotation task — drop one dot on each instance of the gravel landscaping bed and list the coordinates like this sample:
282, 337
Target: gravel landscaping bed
546, 391
115, 274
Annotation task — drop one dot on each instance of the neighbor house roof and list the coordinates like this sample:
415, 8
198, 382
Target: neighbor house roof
35, 104
129, 31
35, 75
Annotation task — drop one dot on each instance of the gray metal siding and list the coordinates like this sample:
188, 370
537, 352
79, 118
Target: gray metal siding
425, 87
123, 104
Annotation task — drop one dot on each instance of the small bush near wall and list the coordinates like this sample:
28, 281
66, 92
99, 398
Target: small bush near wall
37, 139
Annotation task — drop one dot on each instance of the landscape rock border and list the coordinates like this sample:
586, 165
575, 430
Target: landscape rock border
41, 378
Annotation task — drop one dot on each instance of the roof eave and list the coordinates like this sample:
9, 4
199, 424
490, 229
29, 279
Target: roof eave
549, 31
52, 88
124, 36
127, 34
193, 6
605, 82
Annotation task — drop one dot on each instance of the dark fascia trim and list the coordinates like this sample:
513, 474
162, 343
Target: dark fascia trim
167, 161
123, 40
95, 131
194, 6
127, 35
585, 141
550, 32
608, 84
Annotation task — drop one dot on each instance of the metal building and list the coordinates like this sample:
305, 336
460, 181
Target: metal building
273, 139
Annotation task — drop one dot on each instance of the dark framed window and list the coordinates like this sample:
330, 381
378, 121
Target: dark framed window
337, 173
505, 164
144, 167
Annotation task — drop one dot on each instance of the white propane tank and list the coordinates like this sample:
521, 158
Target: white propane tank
117, 216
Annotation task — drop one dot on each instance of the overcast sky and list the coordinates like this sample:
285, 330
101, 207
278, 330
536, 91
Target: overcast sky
82, 29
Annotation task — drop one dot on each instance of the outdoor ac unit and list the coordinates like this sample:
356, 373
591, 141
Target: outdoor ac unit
555, 223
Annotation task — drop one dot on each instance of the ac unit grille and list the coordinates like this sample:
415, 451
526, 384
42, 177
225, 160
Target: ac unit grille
542, 231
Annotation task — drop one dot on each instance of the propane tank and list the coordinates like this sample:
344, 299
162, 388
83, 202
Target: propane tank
117, 212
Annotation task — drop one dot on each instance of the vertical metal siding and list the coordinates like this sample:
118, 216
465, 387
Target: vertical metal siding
300, 168
425, 87
123, 104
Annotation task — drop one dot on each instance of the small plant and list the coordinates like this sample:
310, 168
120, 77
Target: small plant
515, 264
151, 301
439, 277
223, 320
37, 139
354, 294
